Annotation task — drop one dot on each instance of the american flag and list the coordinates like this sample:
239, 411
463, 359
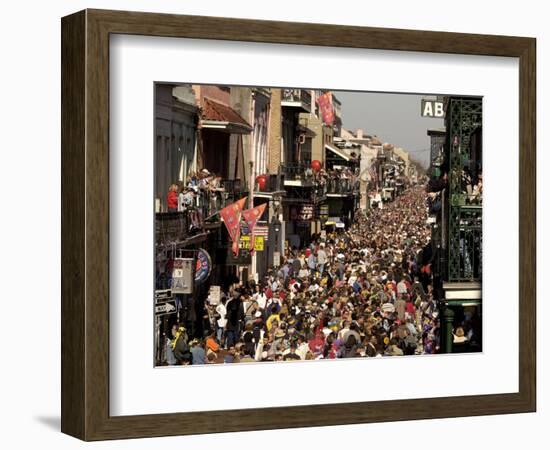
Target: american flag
261, 231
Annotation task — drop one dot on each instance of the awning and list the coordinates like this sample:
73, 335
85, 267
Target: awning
335, 221
337, 152
221, 117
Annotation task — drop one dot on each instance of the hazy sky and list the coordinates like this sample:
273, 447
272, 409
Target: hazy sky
394, 118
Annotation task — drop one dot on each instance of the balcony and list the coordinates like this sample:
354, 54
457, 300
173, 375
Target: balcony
274, 185
341, 187
465, 244
191, 225
297, 174
297, 98
179, 229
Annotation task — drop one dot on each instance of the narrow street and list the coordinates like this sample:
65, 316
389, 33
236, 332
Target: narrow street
362, 292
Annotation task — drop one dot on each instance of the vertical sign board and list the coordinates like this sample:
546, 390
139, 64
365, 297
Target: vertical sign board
259, 243
323, 213
182, 276
432, 108
214, 295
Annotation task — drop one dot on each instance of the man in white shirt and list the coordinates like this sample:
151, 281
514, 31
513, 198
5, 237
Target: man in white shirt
321, 258
222, 321
260, 297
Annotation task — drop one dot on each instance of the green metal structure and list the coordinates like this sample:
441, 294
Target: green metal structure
463, 117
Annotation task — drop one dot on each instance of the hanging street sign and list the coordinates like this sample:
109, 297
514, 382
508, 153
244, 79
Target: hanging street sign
165, 308
244, 242
182, 276
323, 213
259, 243
163, 295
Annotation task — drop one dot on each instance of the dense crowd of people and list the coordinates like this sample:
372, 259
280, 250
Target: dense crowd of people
363, 292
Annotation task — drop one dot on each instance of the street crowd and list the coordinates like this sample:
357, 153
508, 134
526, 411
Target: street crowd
363, 292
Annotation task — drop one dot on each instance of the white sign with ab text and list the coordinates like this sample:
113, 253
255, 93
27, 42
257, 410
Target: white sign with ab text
432, 108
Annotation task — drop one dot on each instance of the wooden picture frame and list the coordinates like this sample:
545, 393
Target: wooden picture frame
85, 224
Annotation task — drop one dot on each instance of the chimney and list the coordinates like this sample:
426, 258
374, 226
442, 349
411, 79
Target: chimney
359, 133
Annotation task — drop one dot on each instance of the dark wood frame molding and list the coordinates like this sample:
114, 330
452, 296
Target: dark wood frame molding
85, 224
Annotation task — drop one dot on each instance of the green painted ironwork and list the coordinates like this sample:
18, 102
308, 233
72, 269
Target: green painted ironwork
463, 117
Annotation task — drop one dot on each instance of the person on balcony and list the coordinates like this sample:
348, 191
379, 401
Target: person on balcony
216, 190
477, 191
172, 198
187, 199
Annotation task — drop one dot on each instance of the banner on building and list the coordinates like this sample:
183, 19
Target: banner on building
251, 217
231, 216
326, 107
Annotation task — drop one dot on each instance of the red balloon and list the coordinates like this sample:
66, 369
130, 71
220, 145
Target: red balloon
262, 181
316, 165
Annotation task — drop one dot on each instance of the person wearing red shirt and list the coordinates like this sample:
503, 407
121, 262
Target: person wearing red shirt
172, 198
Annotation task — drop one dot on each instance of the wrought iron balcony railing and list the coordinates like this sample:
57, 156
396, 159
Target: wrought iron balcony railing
203, 207
465, 244
297, 171
343, 186
300, 98
172, 227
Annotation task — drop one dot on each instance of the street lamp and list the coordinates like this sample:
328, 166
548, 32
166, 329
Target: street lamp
276, 224
276, 227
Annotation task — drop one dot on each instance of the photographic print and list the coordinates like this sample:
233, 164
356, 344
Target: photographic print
298, 224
